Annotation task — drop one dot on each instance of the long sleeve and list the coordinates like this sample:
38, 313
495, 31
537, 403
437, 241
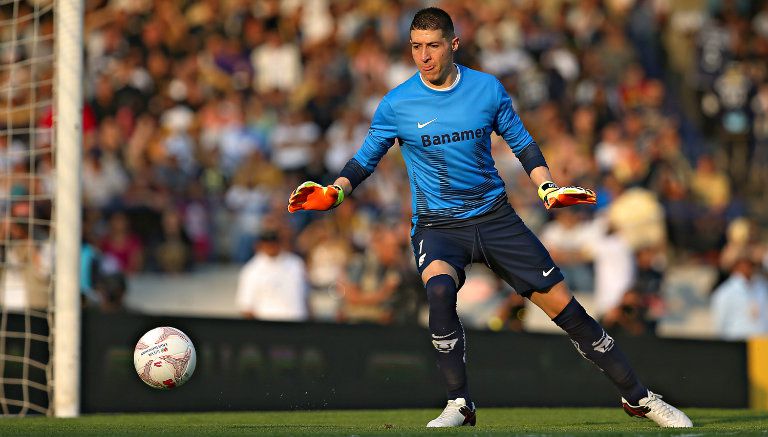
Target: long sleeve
508, 124
381, 136
245, 293
719, 309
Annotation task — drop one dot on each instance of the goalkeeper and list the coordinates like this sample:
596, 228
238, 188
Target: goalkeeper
443, 117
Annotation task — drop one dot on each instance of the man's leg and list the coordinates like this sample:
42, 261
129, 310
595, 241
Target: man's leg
518, 257
596, 345
590, 339
441, 281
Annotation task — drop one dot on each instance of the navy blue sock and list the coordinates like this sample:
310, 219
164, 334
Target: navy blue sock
594, 344
447, 335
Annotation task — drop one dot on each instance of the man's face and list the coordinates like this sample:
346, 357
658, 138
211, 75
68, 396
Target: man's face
269, 248
433, 54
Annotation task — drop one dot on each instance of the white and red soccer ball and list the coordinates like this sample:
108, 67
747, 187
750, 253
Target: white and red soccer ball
164, 358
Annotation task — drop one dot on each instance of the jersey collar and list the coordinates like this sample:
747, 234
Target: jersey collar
442, 90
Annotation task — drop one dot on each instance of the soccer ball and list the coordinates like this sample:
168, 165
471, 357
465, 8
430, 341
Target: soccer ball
164, 358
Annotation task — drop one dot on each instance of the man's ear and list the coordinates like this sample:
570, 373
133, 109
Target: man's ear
455, 43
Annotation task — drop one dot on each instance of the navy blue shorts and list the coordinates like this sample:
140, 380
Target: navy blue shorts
503, 243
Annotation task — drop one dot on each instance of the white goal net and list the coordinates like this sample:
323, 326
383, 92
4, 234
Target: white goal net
29, 180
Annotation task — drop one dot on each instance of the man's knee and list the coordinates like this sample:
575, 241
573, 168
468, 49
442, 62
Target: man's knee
441, 289
443, 321
552, 300
439, 267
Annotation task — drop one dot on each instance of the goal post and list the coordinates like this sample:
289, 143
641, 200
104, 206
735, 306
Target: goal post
68, 109
41, 101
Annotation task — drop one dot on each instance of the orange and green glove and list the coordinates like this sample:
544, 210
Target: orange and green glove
313, 196
558, 197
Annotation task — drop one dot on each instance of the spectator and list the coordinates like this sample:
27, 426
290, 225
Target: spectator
638, 217
481, 298
740, 304
327, 254
90, 263
248, 197
123, 244
710, 185
344, 136
617, 56
759, 106
292, 142
510, 315
583, 22
197, 222
26, 263
641, 306
608, 151
614, 271
378, 286
277, 63
172, 252
104, 180
649, 275
223, 130
273, 284
743, 238
569, 239
629, 316
111, 287
732, 90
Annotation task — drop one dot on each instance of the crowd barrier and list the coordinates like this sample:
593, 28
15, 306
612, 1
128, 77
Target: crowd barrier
252, 365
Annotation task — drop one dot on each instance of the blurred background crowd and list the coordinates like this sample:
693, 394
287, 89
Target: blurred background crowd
202, 115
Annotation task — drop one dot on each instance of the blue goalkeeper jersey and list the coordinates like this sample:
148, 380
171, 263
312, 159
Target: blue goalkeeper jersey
445, 138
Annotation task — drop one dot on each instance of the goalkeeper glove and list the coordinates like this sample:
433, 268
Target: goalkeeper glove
313, 196
558, 197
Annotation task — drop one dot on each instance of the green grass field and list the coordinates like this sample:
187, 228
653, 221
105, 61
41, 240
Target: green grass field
526, 422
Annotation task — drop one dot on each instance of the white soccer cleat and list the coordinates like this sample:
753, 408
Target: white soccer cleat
659, 411
456, 413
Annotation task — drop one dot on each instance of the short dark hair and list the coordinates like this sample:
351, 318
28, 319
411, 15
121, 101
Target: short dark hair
433, 19
269, 235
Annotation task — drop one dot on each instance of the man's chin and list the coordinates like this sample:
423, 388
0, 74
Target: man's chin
430, 76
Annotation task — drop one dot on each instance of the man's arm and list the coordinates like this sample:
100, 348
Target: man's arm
558, 197
508, 124
381, 136
539, 175
344, 184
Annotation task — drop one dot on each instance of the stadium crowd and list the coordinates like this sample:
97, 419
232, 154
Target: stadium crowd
201, 115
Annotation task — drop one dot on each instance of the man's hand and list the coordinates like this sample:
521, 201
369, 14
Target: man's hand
313, 196
558, 197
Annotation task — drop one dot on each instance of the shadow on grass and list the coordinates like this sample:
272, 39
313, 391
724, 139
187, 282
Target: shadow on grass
755, 417
278, 426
